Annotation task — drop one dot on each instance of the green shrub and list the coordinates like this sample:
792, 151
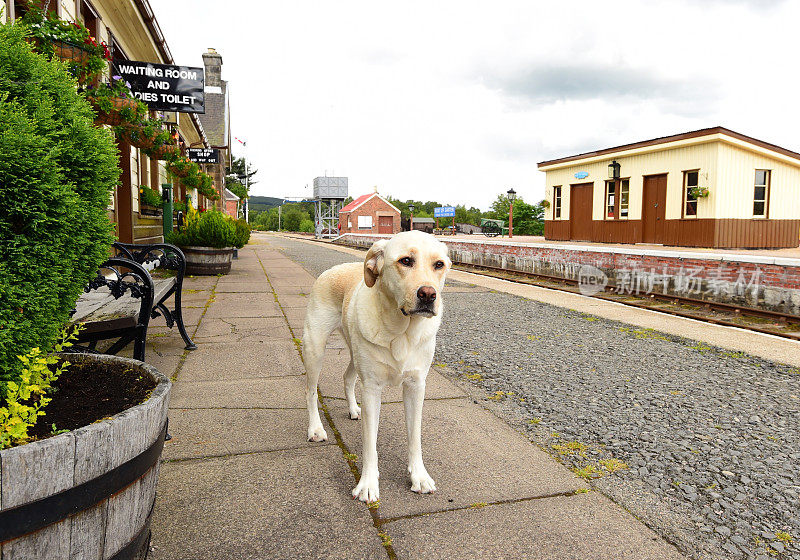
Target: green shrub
56, 174
307, 226
242, 233
211, 228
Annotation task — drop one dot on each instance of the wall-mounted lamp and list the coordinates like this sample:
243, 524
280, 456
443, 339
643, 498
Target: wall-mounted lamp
613, 170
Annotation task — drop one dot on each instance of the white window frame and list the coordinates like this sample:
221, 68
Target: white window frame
365, 222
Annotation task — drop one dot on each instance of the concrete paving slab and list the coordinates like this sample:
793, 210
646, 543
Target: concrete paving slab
170, 345
293, 290
191, 316
166, 364
580, 527
331, 381
293, 301
270, 358
262, 506
241, 308
209, 433
258, 286
267, 327
472, 455
270, 392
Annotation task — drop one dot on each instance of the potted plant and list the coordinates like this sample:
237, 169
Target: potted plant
58, 171
545, 203
698, 192
208, 240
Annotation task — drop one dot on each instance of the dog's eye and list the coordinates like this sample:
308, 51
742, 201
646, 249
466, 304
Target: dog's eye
407, 261
438, 265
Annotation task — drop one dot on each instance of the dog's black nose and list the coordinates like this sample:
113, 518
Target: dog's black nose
426, 294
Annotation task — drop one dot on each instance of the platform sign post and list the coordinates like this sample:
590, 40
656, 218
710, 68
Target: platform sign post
445, 212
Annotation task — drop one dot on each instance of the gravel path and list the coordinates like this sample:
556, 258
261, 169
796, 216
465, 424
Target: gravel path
701, 443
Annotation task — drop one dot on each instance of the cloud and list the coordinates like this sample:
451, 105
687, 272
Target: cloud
548, 84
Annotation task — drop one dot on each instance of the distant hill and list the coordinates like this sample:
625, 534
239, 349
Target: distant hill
262, 203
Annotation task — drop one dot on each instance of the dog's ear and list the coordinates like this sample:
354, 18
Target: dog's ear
373, 262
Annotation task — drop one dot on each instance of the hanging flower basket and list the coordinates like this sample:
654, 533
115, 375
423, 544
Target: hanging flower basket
699, 192
114, 116
166, 151
69, 52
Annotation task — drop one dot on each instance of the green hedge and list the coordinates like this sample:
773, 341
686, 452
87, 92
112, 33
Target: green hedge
56, 174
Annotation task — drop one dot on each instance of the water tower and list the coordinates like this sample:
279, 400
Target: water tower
329, 195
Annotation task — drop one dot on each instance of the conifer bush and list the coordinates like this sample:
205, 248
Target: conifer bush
56, 174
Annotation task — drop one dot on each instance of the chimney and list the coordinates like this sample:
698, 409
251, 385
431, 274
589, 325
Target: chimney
212, 61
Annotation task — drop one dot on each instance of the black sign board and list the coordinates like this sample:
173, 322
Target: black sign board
164, 87
203, 155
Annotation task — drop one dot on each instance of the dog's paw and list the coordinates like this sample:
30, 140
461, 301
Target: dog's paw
367, 489
317, 434
422, 483
355, 414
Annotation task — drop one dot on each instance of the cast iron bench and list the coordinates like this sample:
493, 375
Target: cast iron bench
120, 301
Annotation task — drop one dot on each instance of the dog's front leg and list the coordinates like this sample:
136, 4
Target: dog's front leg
413, 397
367, 488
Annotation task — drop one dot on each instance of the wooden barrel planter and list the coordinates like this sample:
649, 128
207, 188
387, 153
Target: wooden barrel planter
207, 261
88, 493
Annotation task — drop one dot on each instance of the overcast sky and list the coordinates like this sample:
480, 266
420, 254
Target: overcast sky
458, 101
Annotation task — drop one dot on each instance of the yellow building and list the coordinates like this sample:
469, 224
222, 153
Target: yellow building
708, 188
131, 31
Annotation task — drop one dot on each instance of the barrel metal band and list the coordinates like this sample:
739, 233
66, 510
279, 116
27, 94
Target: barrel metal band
33, 516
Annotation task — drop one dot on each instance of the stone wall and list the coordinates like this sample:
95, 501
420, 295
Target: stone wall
753, 280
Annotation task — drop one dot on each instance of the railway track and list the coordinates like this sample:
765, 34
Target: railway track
763, 321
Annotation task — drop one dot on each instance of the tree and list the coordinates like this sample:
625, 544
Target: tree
293, 217
235, 176
528, 219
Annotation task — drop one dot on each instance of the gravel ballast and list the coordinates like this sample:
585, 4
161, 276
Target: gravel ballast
701, 443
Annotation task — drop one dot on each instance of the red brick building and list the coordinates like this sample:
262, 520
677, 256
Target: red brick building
369, 213
231, 207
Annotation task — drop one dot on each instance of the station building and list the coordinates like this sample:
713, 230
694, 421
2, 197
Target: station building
707, 188
369, 213
131, 31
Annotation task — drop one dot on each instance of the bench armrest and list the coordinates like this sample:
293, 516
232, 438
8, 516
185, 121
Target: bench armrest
163, 255
136, 280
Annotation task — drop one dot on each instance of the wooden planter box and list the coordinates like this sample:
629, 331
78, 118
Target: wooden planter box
147, 210
207, 261
87, 493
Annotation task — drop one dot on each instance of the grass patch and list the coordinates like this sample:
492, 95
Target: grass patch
783, 536
535, 421
473, 376
570, 448
588, 472
613, 465
478, 505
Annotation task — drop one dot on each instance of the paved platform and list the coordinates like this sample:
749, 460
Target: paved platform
238, 480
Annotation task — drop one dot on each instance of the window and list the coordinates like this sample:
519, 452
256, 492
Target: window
761, 194
624, 195
611, 188
557, 202
365, 222
690, 198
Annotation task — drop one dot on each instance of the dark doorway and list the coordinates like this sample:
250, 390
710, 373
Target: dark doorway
580, 211
654, 205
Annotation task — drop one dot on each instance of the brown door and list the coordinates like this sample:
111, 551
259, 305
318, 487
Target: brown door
385, 224
580, 212
654, 205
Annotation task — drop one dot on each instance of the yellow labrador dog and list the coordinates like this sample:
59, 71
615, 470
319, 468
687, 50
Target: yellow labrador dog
389, 310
